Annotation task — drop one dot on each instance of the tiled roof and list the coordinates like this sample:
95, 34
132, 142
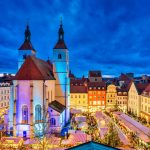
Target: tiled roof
60, 45
78, 89
27, 46
57, 106
34, 69
96, 84
78, 81
95, 74
140, 87
7, 78
147, 88
121, 91
146, 92
124, 77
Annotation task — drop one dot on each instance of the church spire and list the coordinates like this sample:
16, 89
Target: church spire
27, 34
61, 31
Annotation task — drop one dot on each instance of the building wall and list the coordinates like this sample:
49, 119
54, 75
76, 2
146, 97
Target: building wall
145, 107
134, 101
4, 95
95, 79
79, 101
122, 101
30, 93
61, 73
96, 99
60, 120
111, 96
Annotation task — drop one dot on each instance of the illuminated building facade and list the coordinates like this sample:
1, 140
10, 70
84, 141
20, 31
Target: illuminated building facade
145, 104
79, 97
111, 96
61, 72
5, 88
122, 99
96, 96
35, 88
134, 98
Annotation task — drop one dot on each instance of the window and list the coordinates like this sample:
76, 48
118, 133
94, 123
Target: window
24, 114
59, 56
38, 113
24, 57
94, 102
52, 122
98, 102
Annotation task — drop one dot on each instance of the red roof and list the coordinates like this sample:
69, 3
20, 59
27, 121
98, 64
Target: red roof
60, 45
124, 77
141, 87
147, 90
77, 81
34, 69
26, 46
78, 89
97, 85
95, 74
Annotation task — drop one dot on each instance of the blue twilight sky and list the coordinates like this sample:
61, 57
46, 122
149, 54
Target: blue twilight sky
108, 35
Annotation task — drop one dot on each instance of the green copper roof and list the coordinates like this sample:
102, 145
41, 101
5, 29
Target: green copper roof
92, 146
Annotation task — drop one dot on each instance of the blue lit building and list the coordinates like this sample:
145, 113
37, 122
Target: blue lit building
40, 91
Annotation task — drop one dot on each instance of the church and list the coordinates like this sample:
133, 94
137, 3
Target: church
40, 94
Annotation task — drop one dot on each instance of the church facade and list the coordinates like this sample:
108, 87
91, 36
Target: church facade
40, 95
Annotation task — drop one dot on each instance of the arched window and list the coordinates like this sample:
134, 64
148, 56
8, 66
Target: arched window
38, 113
25, 114
59, 56
52, 122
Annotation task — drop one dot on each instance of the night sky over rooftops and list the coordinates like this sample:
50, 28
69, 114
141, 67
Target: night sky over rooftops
108, 35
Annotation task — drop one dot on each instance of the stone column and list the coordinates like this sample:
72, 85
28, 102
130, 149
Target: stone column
31, 111
14, 115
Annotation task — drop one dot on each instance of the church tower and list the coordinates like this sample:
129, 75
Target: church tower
61, 72
26, 48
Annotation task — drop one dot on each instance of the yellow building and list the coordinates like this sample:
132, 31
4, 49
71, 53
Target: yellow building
111, 96
145, 104
134, 98
79, 98
122, 99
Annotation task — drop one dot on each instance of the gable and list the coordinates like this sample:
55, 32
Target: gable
34, 69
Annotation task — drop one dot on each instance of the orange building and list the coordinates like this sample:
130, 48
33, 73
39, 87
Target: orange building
96, 96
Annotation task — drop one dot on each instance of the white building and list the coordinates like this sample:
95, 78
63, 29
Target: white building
36, 89
134, 98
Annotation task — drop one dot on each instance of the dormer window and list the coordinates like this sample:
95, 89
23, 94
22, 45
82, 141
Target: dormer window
59, 56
